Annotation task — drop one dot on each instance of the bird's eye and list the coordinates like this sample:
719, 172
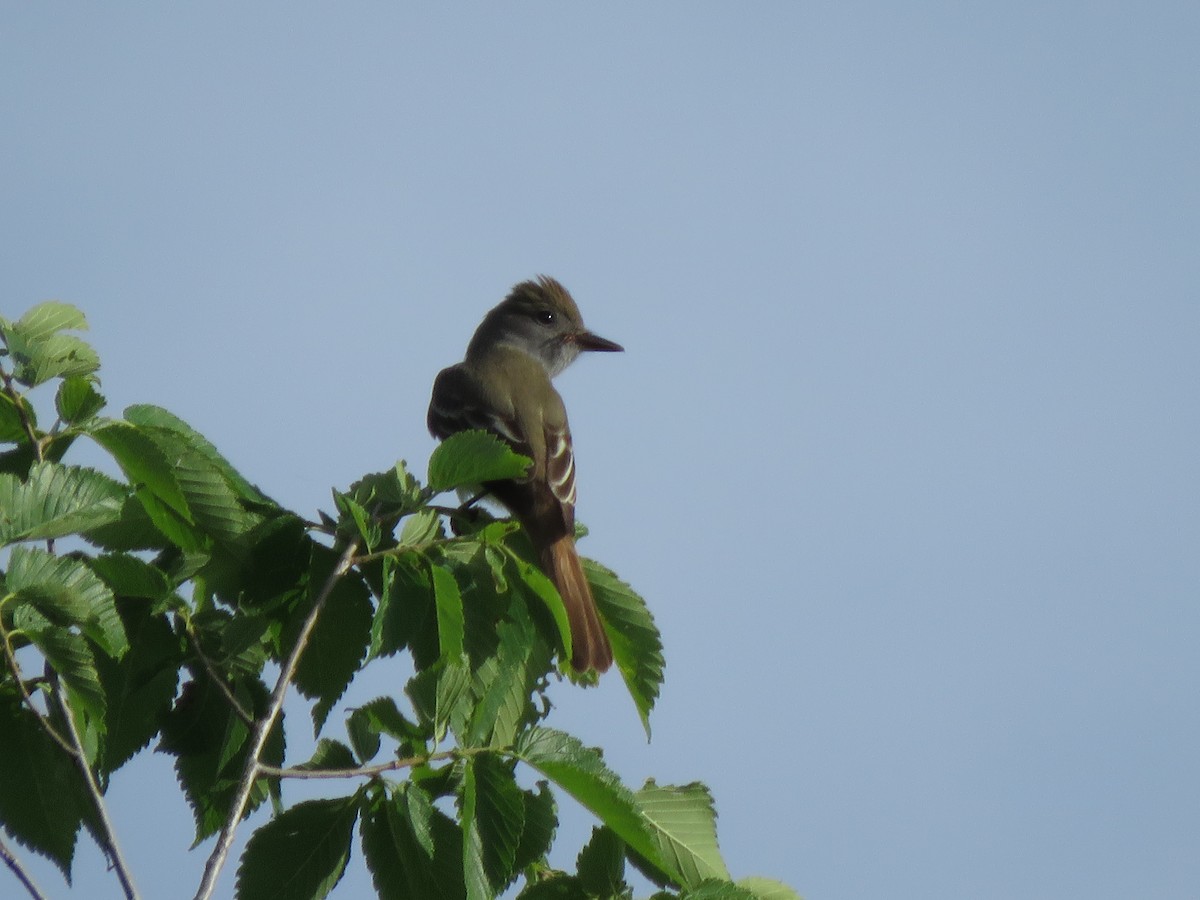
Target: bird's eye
545, 316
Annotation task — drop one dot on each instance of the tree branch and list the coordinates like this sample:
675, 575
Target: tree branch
17, 869
112, 848
258, 738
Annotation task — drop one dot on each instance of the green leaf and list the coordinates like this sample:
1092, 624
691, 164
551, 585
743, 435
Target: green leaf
67, 592
541, 821
77, 399
49, 318
683, 824
143, 464
55, 501
129, 576
300, 854
580, 771
421, 527
12, 428
329, 755
449, 611
135, 530
70, 656
506, 680
42, 800
767, 889
338, 642
154, 417
535, 581
213, 502
499, 817
141, 685
636, 642
441, 695
406, 614
471, 458
712, 889
210, 744
413, 850
601, 864
474, 874
59, 355
382, 716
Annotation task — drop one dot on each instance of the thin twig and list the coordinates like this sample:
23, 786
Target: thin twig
112, 848
11, 658
359, 771
258, 738
24, 877
217, 679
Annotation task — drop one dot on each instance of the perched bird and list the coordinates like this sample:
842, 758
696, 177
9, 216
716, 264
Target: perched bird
503, 386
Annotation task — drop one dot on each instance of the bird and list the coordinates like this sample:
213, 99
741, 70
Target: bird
504, 386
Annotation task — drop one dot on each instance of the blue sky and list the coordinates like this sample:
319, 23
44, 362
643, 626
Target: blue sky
902, 452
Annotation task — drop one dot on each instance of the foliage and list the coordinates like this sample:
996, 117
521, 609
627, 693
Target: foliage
144, 607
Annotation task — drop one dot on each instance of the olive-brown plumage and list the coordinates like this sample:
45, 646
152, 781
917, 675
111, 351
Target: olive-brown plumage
504, 386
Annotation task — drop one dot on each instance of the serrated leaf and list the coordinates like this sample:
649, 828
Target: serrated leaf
499, 817
300, 854
449, 611
713, 889
42, 800
636, 642
70, 656
329, 755
421, 527
413, 850
215, 506
147, 416
471, 458
129, 576
767, 889
535, 581
77, 399
141, 685
441, 694
12, 428
209, 741
58, 355
683, 825
338, 642
381, 716
581, 772
406, 615
474, 875
143, 463
55, 501
601, 864
48, 318
505, 681
67, 592
541, 821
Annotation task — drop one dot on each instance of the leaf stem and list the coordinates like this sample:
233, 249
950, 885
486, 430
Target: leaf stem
18, 870
262, 729
112, 848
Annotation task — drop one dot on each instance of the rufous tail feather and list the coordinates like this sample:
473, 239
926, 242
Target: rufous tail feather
590, 648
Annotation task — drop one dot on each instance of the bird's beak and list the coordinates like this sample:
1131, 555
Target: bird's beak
585, 340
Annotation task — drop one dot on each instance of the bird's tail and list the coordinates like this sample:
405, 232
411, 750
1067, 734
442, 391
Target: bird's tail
590, 648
